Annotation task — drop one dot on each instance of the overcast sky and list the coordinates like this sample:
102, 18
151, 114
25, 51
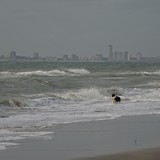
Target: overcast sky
82, 27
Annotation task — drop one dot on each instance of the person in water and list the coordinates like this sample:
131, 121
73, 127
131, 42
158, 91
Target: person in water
115, 99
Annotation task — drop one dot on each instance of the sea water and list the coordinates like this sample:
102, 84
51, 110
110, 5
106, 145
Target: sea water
34, 95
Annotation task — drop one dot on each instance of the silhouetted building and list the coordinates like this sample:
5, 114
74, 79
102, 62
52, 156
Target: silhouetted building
99, 57
13, 54
121, 56
139, 56
75, 57
110, 52
65, 57
36, 55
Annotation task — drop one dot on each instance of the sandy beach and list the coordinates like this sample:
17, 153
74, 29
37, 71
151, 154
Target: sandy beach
147, 154
127, 138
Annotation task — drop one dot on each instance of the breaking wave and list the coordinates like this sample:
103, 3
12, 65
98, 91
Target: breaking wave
11, 103
79, 105
154, 73
56, 72
78, 71
94, 94
73, 72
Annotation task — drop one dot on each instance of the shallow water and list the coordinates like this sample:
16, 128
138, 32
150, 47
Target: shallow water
41, 94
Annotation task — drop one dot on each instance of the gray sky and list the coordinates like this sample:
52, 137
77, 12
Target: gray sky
82, 27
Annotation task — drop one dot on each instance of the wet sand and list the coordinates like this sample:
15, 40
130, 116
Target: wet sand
147, 154
92, 140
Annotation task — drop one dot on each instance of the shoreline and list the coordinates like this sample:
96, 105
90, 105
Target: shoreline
129, 134
144, 154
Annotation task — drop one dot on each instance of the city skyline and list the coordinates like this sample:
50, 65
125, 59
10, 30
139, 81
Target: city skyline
84, 27
110, 56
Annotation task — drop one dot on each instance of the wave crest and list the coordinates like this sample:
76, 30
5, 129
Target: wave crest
56, 72
12, 103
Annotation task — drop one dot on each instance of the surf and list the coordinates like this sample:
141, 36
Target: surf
56, 72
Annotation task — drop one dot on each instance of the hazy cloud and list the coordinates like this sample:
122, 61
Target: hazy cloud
85, 27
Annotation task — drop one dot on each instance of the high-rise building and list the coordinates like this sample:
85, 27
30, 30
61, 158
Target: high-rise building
126, 56
35, 55
13, 54
110, 52
138, 56
65, 57
120, 56
74, 57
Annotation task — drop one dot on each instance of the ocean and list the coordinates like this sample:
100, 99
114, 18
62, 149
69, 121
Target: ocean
35, 95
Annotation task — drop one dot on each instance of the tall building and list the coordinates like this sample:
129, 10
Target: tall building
99, 57
65, 57
126, 56
110, 52
35, 55
13, 54
120, 56
138, 56
74, 57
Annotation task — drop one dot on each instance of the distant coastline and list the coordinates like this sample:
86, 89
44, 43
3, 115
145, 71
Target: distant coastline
110, 56
105, 60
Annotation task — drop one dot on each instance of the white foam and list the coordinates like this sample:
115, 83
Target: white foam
4, 145
79, 71
29, 73
71, 72
55, 72
154, 73
7, 137
150, 84
151, 73
82, 94
142, 95
91, 95
89, 104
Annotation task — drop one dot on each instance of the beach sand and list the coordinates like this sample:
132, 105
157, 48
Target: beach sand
148, 154
124, 138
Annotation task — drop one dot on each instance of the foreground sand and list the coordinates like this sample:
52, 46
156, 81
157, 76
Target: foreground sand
148, 154
93, 139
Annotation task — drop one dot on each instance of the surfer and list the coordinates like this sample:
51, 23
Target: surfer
115, 99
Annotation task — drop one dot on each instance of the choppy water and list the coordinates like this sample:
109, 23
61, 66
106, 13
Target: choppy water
40, 94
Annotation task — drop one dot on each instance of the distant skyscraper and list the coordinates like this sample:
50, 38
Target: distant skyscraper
65, 57
13, 54
120, 56
110, 52
74, 57
139, 56
35, 55
126, 56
